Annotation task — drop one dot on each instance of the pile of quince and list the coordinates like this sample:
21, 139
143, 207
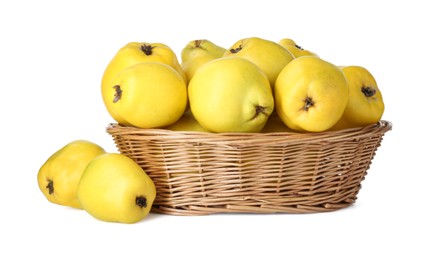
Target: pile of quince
256, 85
109, 186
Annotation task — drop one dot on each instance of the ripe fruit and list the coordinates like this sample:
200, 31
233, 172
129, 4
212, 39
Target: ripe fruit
267, 55
295, 49
131, 54
147, 95
59, 176
310, 94
230, 94
114, 188
198, 52
365, 104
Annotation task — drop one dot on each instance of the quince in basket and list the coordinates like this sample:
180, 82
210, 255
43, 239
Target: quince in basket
230, 94
269, 56
131, 54
199, 52
310, 94
59, 176
365, 104
147, 95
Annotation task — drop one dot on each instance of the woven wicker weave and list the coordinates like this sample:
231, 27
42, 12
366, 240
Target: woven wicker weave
203, 173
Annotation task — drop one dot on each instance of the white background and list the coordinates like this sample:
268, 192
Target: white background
52, 57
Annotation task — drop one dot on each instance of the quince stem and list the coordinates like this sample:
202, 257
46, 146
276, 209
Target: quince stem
299, 47
118, 93
197, 43
368, 91
308, 103
259, 110
147, 49
50, 186
236, 50
141, 201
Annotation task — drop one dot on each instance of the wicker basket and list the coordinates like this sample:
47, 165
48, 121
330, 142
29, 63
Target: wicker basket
203, 173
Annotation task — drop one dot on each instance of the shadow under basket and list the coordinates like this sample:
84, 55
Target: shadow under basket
199, 173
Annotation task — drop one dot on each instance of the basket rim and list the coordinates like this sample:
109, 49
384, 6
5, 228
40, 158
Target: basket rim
381, 127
